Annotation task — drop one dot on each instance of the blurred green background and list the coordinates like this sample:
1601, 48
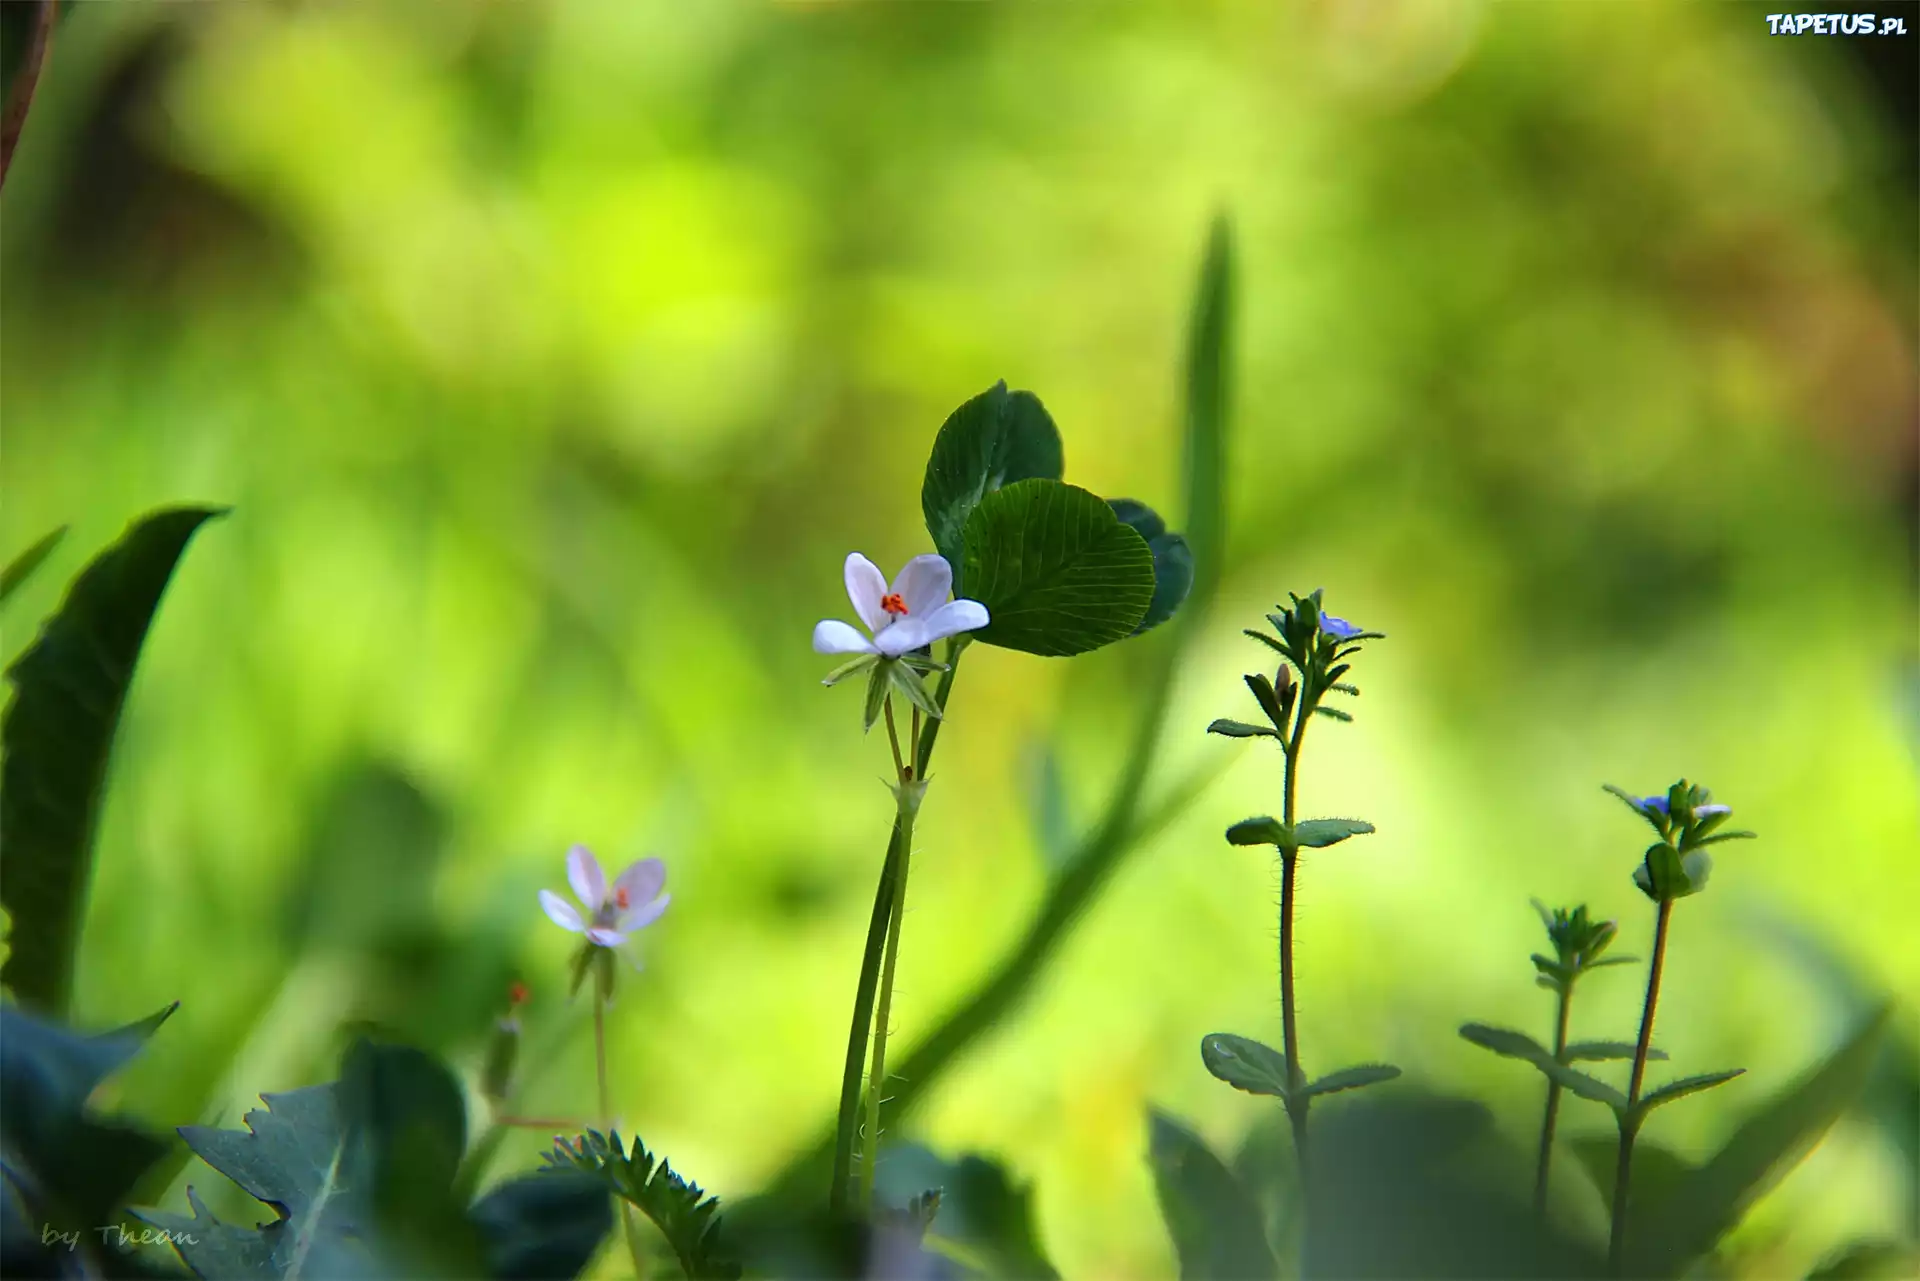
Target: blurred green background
554, 356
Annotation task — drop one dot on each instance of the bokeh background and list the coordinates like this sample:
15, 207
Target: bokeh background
552, 357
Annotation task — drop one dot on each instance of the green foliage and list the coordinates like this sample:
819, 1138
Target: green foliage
1518, 1045
1059, 573
69, 1169
360, 1174
1318, 833
1172, 560
1681, 1088
57, 735
992, 440
1869, 1261
1208, 402
21, 567
970, 1211
1264, 830
1240, 729
1352, 1078
1218, 1229
1245, 1064
1604, 1051
1578, 943
1670, 1232
687, 1217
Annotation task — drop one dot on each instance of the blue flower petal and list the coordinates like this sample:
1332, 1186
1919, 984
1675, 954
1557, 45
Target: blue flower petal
1338, 628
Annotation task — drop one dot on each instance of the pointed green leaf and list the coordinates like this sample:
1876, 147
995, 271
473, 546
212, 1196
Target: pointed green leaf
1057, 570
57, 735
1269, 699
913, 689
1258, 831
851, 667
1208, 404
1767, 1145
1317, 833
1334, 712
877, 686
548, 1224
1240, 729
1216, 1226
687, 1217
21, 567
1684, 1086
1245, 1064
1518, 1045
1352, 1078
1605, 1051
993, 440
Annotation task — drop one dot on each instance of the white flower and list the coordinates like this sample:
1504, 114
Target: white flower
913, 612
633, 902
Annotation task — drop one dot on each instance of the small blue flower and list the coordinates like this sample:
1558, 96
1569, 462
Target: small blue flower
1650, 805
1338, 628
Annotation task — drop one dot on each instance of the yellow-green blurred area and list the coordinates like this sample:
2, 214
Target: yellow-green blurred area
553, 357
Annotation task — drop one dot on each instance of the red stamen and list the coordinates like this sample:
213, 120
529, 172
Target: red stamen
620, 899
893, 603
518, 994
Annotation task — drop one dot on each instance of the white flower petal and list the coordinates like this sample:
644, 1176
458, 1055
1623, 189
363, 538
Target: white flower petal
923, 585
559, 911
638, 918
951, 619
643, 880
831, 636
865, 586
908, 633
584, 874
605, 937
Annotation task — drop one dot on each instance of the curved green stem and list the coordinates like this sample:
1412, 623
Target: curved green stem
603, 993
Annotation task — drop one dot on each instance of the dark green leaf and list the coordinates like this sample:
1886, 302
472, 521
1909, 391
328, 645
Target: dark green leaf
57, 734
1769, 1143
877, 686
1057, 570
1603, 1051
1657, 1171
1209, 397
1240, 729
544, 1225
1352, 1078
408, 1125
1258, 831
1172, 560
21, 567
1216, 1227
1869, 1261
1318, 833
1245, 1064
1269, 698
141, 1029
1334, 712
687, 1217
1684, 1086
997, 438
981, 1215
72, 1169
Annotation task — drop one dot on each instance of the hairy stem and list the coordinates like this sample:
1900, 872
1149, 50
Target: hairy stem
847, 1127
1623, 1172
1289, 861
1552, 1116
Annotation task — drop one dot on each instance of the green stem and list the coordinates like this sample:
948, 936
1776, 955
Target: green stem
603, 993
1623, 1172
847, 1127
876, 1080
1552, 1117
1289, 861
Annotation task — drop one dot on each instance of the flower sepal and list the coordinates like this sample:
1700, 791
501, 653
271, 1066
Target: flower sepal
896, 676
1666, 874
853, 667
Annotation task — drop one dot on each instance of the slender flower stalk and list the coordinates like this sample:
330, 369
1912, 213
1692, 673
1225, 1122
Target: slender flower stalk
1289, 861
903, 619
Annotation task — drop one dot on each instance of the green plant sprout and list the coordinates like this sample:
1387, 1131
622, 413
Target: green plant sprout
1578, 942
1318, 646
